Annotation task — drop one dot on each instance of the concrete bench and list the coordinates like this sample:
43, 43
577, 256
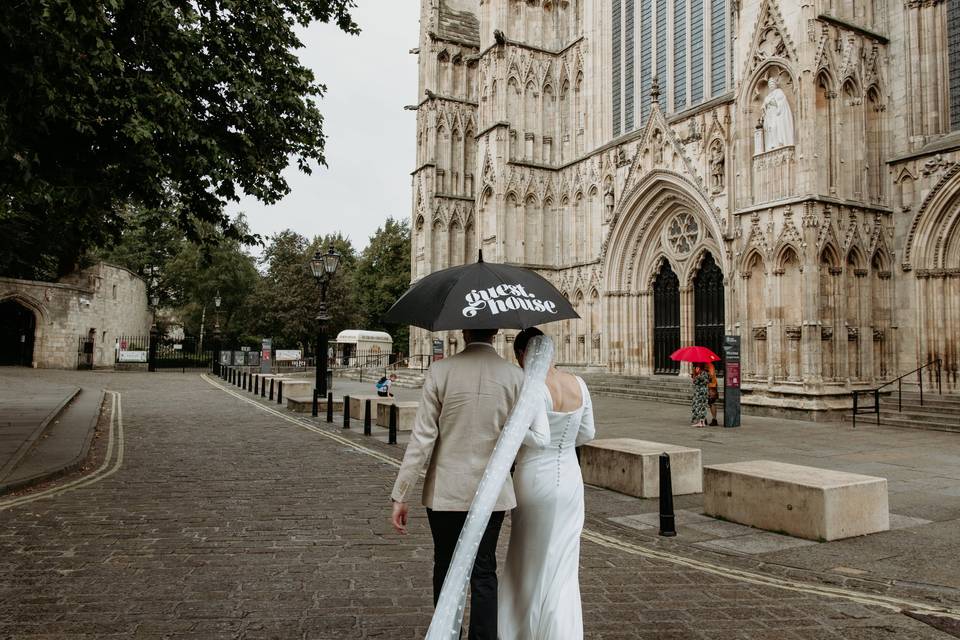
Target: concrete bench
358, 406
297, 388
304, 404
407, 412
805, 502
632, 466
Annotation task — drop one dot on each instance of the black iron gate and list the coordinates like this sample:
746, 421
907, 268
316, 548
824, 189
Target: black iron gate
84, 352
182, 354
666, 320
708, 307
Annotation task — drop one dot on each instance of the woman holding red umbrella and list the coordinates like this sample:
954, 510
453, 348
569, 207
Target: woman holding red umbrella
700, 381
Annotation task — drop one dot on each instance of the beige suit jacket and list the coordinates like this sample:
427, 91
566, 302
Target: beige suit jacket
466, 401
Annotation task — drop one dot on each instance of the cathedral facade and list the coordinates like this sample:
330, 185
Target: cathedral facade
788, 172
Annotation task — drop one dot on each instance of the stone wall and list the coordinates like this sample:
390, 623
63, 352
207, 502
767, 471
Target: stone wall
107, 300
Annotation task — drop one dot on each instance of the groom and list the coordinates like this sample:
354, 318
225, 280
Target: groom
466, 401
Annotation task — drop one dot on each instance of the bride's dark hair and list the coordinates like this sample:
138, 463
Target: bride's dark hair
520, 342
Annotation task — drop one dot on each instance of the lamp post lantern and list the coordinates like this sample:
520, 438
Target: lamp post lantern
216, 335
323, 266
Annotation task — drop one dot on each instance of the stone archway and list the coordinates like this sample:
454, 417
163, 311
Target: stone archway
664, 226
18, 327
933, 254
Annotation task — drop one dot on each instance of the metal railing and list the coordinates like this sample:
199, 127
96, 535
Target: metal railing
875, 407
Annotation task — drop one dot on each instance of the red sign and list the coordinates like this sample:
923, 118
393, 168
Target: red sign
266, 354
123, 345
733, 375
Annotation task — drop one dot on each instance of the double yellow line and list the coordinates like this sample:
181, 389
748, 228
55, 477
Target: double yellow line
616, 544
112, 461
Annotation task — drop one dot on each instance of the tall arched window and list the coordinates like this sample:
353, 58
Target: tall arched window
513, 228
456, 163
550, 226
438, 242
565, 122
756, 290
875, 137
532, 232
456, 244
580, 228
791, 314
549, 123
830, 323
530, 99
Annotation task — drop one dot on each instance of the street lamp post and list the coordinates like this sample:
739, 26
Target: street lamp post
154, 334
323, 266
216, 335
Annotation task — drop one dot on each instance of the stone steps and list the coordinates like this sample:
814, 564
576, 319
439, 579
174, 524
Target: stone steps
667, 389
938, 412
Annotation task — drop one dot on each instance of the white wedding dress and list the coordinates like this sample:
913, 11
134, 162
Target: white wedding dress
539, 596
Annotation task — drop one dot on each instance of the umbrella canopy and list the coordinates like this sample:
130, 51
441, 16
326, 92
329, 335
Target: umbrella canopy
483, 295
694, 354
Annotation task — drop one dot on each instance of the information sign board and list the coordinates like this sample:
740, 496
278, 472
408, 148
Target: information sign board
731, 381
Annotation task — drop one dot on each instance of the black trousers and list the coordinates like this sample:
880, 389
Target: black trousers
445, 527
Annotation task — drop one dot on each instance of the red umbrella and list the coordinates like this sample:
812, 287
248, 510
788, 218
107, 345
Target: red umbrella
694, 354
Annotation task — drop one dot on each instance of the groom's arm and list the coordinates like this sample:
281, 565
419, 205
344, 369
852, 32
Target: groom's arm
422, 440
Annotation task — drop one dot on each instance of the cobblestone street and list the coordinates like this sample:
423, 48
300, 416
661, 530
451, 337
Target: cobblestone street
227, 518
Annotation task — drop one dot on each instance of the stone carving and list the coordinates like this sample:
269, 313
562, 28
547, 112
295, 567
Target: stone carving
826, 333
777, 118
682, 233
877, 334
608, 205
693, 132
759, 333
717, 167
793, 332
935, 164
853, 334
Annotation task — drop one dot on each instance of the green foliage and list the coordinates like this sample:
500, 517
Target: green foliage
383, 275
171, 106
288, 296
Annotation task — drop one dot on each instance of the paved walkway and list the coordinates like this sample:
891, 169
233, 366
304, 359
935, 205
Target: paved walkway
27, 405
219, 517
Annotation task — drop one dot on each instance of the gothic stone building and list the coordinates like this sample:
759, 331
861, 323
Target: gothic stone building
682, 169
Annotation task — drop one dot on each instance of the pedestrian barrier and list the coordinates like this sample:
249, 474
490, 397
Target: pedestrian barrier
271, 389
280, 392
667, 524
346, 412
366, 418
392, 433
314, 410
330, 407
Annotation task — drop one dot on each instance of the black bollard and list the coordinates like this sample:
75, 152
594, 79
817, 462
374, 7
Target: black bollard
263, 388
280, 392
392, 434
256, 385
271, 389
330, 407
366, 417
315, 412
667, 525
243, 381
346, 412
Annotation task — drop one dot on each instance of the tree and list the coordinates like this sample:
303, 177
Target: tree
383, 275
174, 106
191, 279
288, 299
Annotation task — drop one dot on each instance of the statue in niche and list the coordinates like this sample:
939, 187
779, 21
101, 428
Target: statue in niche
717, 162
777, 118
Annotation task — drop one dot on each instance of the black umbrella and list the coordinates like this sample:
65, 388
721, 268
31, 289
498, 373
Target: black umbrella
483, 295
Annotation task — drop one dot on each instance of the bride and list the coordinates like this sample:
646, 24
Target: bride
540, 591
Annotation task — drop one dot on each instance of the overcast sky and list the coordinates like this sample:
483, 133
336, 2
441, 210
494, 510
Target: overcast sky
371, 139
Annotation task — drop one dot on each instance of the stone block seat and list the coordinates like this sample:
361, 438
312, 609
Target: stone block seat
358, 406
298, 389
632, 466
805, 502
304, 404
407, 412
